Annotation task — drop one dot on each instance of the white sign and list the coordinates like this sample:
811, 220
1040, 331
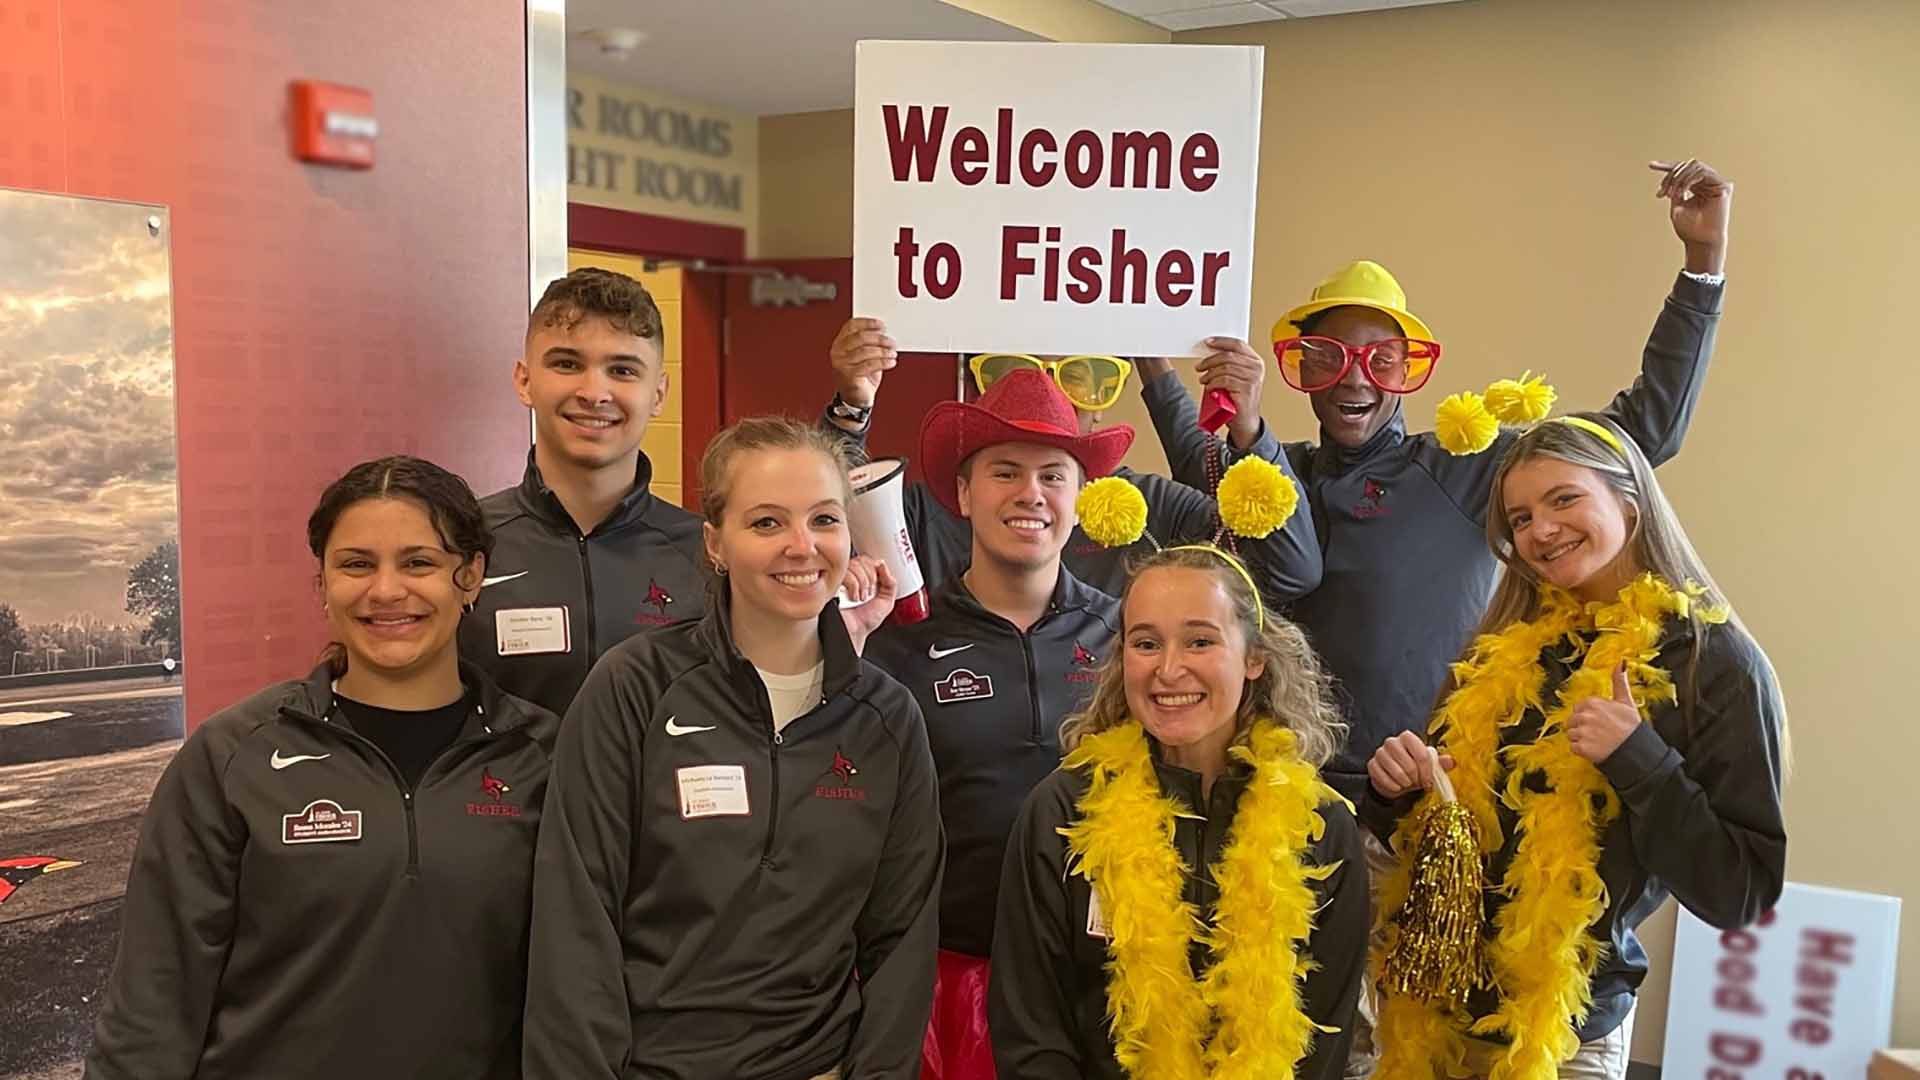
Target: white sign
1804, 994
1050, 198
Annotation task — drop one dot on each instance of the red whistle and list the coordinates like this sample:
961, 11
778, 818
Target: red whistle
1216, 408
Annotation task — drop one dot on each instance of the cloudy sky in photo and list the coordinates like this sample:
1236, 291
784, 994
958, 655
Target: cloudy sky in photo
87, 459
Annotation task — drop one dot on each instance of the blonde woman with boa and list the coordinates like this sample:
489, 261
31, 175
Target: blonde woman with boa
1184, 898
1617, 737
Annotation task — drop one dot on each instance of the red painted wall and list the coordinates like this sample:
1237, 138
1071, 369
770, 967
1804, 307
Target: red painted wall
321, 316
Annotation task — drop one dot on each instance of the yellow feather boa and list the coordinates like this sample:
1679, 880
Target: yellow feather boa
1541, 953
1243, 1019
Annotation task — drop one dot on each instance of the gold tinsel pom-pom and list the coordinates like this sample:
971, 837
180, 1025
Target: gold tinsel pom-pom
1463, 424
1256, 498
1439, 955
1112, 512
1526, 400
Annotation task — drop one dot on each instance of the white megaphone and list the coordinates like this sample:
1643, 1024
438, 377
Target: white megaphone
878, 521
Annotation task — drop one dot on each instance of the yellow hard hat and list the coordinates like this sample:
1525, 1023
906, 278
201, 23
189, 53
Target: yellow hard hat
1362, 283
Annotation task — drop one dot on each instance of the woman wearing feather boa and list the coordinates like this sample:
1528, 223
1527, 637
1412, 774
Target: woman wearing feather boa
1617, 738
1184, 899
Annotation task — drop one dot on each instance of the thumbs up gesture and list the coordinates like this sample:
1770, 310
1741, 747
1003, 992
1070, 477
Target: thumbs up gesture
1599, 725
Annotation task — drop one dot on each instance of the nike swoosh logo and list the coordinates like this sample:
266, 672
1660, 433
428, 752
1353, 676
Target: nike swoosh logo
484, 582
935, 652
677, 729
279, 762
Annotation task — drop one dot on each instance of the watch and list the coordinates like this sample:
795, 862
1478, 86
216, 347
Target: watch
852, 414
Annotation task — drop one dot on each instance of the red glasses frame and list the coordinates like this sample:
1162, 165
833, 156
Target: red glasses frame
1422, 358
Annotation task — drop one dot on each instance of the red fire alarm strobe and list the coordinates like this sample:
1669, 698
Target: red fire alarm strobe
333, 124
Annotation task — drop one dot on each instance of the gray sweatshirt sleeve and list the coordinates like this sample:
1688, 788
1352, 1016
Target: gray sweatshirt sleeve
899, 930
177, 923
578, 1023
1655, 410
1176, 420
1708, 823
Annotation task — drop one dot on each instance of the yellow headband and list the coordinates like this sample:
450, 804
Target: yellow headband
1259, 606
1596, 430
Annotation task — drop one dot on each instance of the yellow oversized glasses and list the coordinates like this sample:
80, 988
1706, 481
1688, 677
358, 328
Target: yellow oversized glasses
1092, 383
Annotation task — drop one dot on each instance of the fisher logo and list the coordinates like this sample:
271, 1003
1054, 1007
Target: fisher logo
659, 600
1083, 664
843, 771
1374, 506
323, 821
494, 789
962, 685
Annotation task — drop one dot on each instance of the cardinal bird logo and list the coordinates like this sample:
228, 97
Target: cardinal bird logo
1375, 492
493, 786
1082, 657
658, 596
843, 767
15, 873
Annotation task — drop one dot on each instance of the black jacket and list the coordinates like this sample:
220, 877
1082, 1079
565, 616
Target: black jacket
994, 699
252, 947
1285, 565
641, 567
1047, 1000
1407, 572
1700, 812
712, 899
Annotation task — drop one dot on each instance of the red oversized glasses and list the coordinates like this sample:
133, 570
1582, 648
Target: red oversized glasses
1395, 365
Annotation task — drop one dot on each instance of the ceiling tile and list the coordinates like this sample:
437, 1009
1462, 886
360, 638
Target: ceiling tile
1224, 15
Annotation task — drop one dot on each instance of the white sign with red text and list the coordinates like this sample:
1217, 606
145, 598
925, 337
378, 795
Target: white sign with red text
1804, 994
1053, 198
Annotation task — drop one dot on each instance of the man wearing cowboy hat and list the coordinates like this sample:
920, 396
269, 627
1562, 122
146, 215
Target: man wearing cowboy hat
1408, 572
1008, 649
1285, 564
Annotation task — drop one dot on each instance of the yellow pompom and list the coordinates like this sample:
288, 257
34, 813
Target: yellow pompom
1256, 498
1112, 512
1464, 425
1526, 400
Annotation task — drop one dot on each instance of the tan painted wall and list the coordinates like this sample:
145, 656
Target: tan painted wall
806, 205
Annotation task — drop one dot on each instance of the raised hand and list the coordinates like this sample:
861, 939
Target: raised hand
1700, 203
862, 353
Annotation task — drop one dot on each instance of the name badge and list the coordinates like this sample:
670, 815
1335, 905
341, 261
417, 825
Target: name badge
524, 631
1097, 919
962, 685
322, 822
712, 791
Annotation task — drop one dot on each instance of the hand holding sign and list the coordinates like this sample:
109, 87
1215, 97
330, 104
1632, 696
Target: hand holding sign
862, 354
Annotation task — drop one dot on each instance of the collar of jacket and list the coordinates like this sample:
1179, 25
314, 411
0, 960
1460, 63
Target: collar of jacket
836, 648
1331, 459
1176, 780
1069, 594
538, 499
312, 699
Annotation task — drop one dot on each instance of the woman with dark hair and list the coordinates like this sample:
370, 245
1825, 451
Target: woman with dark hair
333, 876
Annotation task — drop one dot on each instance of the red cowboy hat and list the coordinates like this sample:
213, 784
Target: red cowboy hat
1021, 407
